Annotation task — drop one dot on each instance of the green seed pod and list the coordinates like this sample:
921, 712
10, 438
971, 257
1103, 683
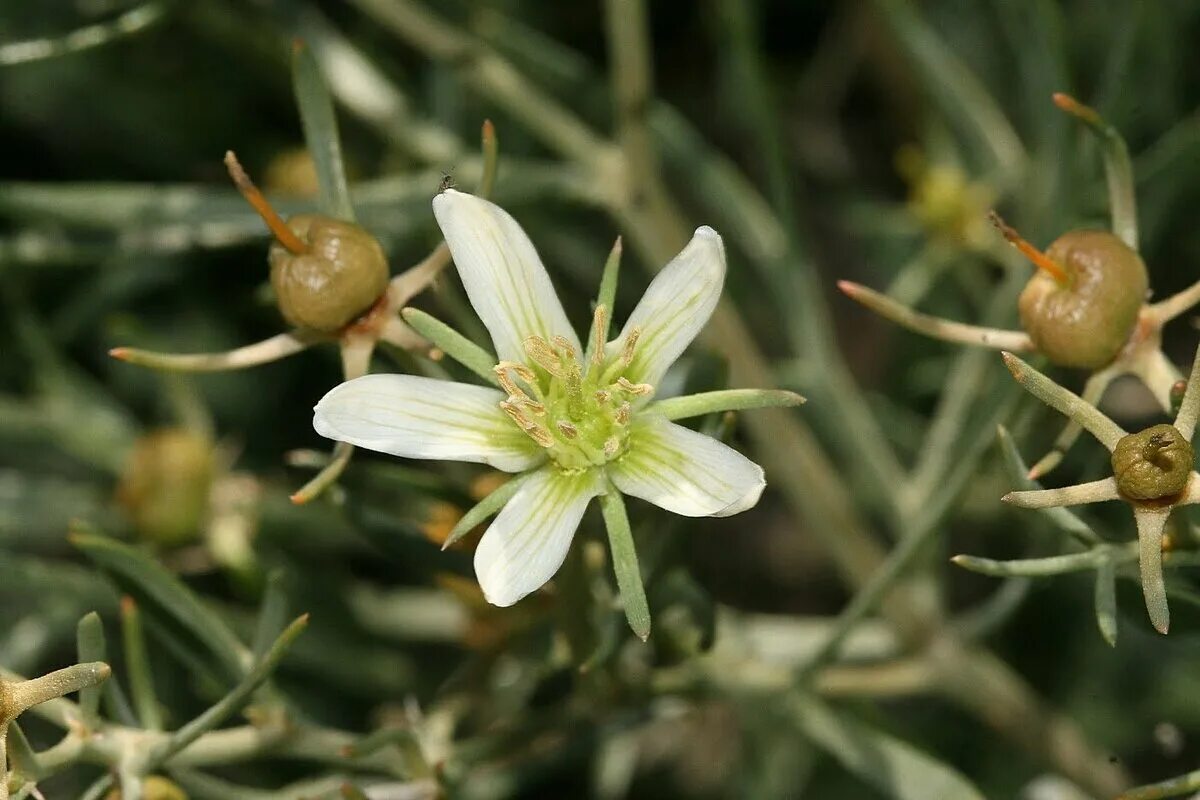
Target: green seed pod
1085, 320
342, 274
166, 484
1153, 463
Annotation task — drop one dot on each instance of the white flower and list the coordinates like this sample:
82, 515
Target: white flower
580, 423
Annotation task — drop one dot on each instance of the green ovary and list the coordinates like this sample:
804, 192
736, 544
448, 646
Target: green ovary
580, 414
1153, 463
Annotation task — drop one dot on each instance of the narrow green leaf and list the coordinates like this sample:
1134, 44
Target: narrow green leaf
60, 683
1106, 601
321, 133
1018, 472
90, 646
1053, 565
484, 509
1066, 402
694, 405
272, 616
1118, 170
452, 343
235, 699
625, 564
137, 665
892, 766
158, 591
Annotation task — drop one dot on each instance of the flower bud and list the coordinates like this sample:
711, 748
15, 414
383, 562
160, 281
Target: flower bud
341, 275
1153, 463
166, 484
1086, 320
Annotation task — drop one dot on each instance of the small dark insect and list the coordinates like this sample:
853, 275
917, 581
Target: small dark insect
447, 182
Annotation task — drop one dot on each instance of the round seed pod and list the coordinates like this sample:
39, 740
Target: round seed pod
340, 277
1086, 322
166, 484
1153, 463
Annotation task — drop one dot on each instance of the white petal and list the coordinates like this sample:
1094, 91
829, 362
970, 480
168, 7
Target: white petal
503, 276
415, 417
527, 542
686, 472
676, 305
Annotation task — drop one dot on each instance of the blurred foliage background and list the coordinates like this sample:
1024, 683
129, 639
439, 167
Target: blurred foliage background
861, 140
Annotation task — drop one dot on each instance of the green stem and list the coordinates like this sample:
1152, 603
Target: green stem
694, 405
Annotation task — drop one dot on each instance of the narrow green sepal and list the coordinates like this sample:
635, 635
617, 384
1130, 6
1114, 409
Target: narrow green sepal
484, 509
625, 563
452, 343
694, 405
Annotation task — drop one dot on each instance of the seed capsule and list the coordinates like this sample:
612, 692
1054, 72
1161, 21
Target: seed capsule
166, 484
1153, 463
1085, 320
337, 279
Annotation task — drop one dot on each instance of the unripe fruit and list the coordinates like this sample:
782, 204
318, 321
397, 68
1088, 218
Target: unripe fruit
340, 276
1153, 463
1085, 321
165, 486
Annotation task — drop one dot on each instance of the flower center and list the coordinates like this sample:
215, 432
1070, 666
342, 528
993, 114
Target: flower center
579, 412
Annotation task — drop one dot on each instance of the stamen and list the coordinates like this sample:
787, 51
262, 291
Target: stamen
611, 445
534, 431
1039, 259
603, 396
523, 372
599, 317
564, 347
279, 229
630, 343
541, 352
506, 383
634, 388
568, 430
533, 405
623, 414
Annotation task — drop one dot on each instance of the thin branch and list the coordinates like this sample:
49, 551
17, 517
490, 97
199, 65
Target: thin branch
936, 327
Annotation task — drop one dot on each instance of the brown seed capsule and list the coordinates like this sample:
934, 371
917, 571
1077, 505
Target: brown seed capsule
1153, 463
1085, 320
339, 277
165, 486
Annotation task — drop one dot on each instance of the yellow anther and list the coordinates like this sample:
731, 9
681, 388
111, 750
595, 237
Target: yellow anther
624, 413
543, 354
506, 382
567, 429
537, 408
634, 388
603, 396
611, 445
599, 317
564, 347
630, 343
523, 372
